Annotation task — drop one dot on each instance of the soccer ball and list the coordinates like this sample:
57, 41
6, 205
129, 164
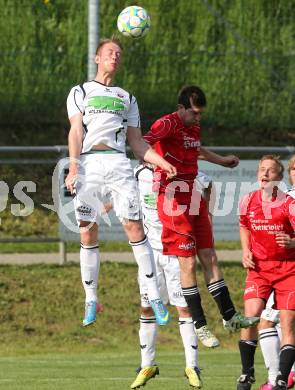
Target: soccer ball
134, 22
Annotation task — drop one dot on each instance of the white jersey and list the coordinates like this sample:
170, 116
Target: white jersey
148, 202
167, 267
107, 112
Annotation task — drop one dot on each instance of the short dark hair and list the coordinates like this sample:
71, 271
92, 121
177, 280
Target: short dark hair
192, 95
104, 41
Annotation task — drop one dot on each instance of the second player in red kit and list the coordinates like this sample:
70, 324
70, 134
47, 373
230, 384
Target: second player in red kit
184, 214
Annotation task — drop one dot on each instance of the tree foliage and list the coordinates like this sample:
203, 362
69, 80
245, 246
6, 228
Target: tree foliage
240, 52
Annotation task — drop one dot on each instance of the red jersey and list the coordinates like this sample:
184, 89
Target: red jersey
178, 144
265, 219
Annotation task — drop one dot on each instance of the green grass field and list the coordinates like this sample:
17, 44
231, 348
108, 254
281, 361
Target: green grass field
104, 246
115, 371
44, 346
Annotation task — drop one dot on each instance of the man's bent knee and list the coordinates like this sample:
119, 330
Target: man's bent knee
88, 232
187, 264
147, 312
183, 312
134, 230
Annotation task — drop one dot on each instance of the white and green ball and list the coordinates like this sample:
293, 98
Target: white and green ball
134, 22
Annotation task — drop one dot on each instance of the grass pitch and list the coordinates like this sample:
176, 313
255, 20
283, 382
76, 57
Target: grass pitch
104, 246
110, 371
41, 309
44, 347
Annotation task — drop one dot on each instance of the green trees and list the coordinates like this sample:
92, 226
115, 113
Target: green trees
240, 52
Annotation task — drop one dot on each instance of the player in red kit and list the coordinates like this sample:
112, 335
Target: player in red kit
183, 212
267, 223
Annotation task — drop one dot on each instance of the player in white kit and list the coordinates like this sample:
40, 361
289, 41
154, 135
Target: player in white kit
168, 276
102, 117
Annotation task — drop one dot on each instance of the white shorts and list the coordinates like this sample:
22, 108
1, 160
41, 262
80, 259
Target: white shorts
269, 313
168, 278
101, 175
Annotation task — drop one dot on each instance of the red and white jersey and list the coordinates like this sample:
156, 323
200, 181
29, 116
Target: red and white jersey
178, 144
264, 220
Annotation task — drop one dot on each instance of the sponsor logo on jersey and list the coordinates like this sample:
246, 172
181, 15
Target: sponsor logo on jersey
191, 143
187, 247
260, 226
250, 289
150, 200
106, 103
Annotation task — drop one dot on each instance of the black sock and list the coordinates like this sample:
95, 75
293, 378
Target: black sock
247, 352
287, 358
220, 293
193, 300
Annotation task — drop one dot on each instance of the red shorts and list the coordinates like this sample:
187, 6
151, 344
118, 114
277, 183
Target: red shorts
273, 275
187, 230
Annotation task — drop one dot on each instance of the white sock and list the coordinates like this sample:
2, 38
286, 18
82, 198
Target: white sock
147, 338
89, 264
146, 266
189, 340
270, 347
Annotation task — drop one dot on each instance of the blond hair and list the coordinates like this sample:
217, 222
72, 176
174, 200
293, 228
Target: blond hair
104, 41
291, 164
276, 159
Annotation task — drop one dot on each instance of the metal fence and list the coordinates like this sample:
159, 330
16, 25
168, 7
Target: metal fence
223, 224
